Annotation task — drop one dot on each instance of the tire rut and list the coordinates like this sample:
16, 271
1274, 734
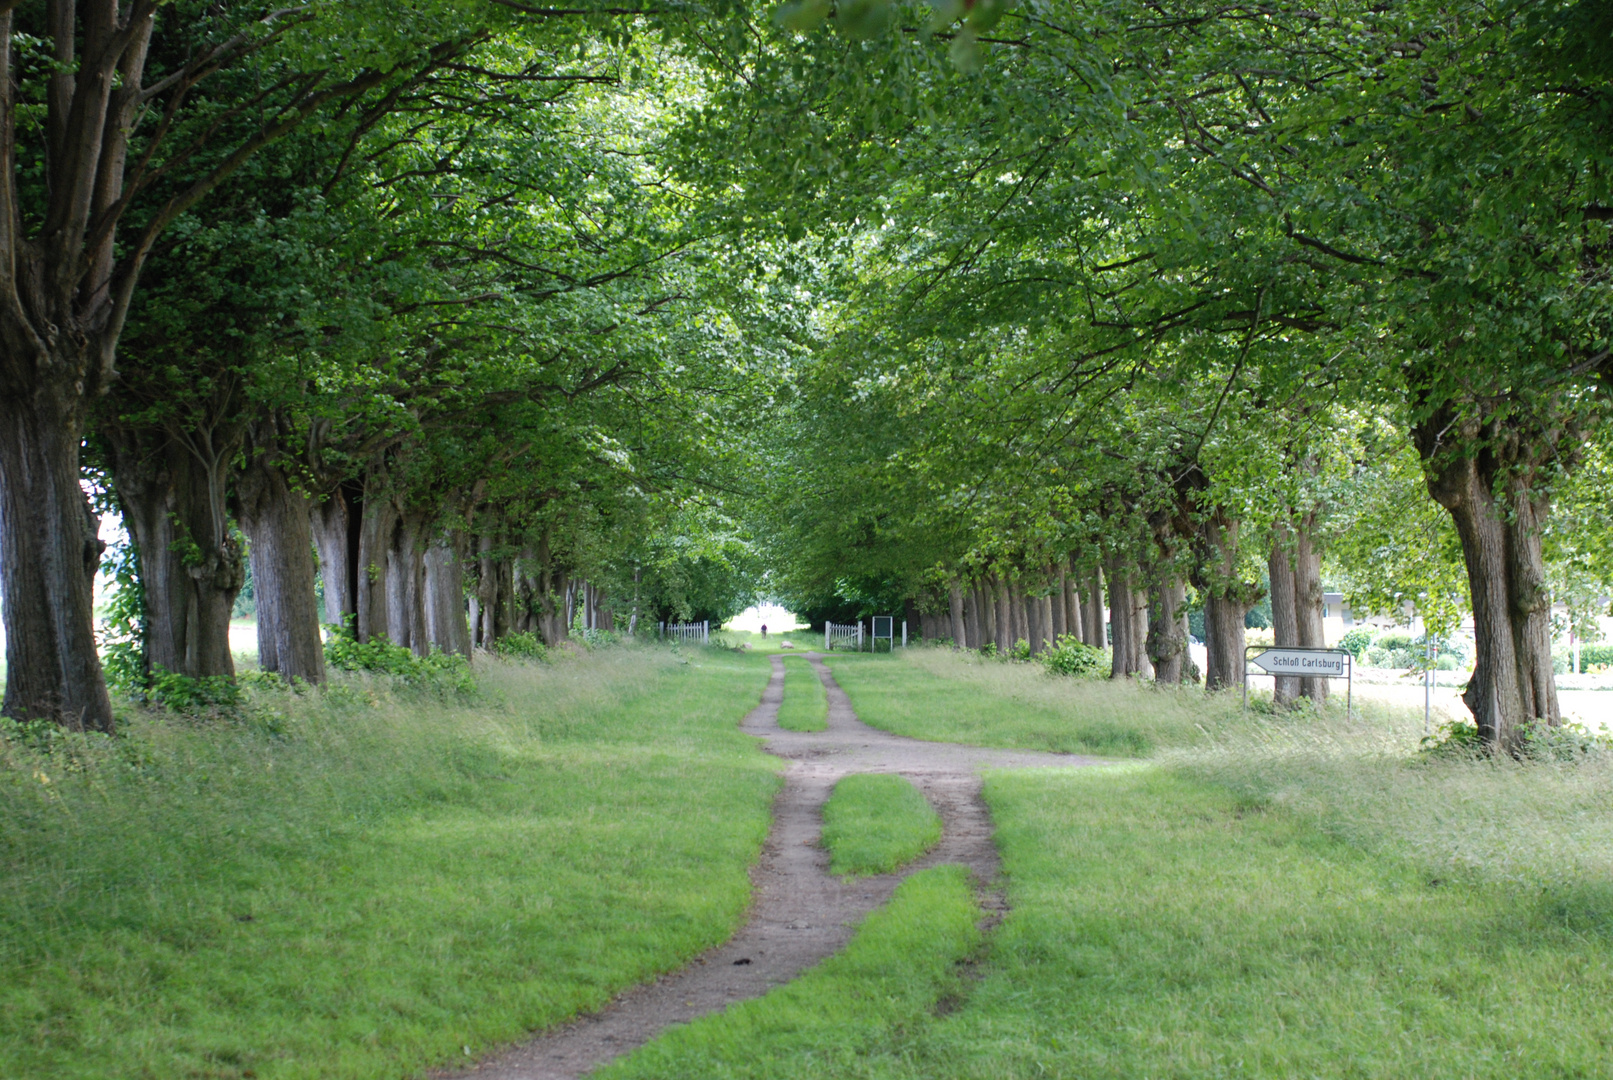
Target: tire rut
800, 914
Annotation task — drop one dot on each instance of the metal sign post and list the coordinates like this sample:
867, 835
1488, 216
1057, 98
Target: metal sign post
1307, 663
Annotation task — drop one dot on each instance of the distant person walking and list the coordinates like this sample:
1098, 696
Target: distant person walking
764, 629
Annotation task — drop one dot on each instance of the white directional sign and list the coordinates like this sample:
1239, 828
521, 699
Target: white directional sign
1327, 663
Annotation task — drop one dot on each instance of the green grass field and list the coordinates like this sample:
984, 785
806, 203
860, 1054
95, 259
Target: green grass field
805, 707
372, 884
1268, 897
876, 822
929, 693
383, 884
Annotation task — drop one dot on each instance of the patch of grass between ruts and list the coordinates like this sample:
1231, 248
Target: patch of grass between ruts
876, 822
382, 885
805, 706
858, 1006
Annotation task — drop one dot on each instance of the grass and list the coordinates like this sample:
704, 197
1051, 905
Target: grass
365, 886
940, 695
1269, 896
876, 822
903, 965
805, 706
801, 640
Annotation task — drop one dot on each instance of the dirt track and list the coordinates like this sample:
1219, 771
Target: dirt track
799, 914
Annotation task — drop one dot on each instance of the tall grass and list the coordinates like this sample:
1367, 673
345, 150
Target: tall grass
358, 884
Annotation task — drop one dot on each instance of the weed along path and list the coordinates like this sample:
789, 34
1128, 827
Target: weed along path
800, 913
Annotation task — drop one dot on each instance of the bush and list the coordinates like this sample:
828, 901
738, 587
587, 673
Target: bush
1355, 642
1455, 739
447, 673
1600, 655
523, 646
1071, 657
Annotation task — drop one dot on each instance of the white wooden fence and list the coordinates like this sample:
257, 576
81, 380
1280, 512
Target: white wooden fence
838, 635
847, 637
687, 631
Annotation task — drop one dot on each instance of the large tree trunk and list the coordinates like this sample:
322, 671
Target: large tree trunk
49, 553
1004, 618
1073, 605
406, 583
1498, 518
277, 521
971, 616
1284, 620
1092, 623
1121, 610
378, 520
1227, 599
1311, 630
988, 611
1167, 645
955, 611
190, 565
446, 628
336, 524
1139, 632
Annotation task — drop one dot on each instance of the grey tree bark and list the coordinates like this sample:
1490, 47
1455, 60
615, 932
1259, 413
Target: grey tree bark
277, 521
1308, 601
1284, 620
446, 626
955, 611
1093, 622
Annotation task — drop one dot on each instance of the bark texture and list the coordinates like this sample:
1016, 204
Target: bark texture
49, 553
191, 567
277, 521
955, 613
1284, 620
1483, 479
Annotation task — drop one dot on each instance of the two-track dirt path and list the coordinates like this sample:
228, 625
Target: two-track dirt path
799, 913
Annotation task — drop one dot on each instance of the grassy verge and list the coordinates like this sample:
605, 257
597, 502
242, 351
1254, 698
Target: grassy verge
805, 707
1167, 927
876, 822
859, 1006
369, 885
937, 694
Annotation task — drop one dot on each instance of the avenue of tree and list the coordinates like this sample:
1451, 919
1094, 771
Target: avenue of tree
1019, 319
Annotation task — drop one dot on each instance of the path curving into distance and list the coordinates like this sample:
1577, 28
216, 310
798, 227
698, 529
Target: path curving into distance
800, 914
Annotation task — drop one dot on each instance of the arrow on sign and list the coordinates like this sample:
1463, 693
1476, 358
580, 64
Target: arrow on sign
1327, 663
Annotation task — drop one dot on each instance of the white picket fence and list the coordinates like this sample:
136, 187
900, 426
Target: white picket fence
687, 631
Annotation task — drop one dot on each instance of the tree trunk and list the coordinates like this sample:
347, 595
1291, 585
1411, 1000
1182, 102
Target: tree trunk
406, 583
1167, 645
1498, 520
49, 553
446, 628
378, 520
1139, 633
1005, 618
1223, 642
1121, 610
336, 524
277, 521
1046, 630
955, 613
971, 616
1308, 601
1284, 620
190, 565
1097, 634
1227, 598
988, 612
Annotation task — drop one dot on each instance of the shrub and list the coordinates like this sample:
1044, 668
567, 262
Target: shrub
447, 673
1020, 651
523, 646
1457, 738
1565, 742
208, 695
1355, 642
1071, 657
